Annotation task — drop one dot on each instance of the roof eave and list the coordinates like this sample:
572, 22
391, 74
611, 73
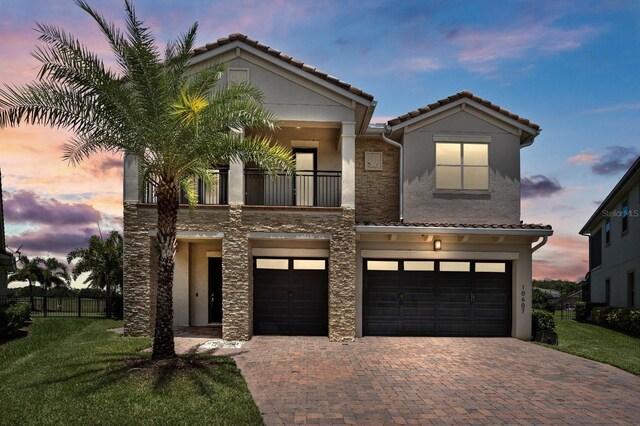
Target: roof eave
408, 229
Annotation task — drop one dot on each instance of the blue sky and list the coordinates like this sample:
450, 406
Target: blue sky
571, 67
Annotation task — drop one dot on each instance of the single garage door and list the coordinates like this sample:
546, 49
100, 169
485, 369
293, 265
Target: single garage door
436, 298
290, 297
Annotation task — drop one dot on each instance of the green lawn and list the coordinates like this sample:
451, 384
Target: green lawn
73, 371
599, 344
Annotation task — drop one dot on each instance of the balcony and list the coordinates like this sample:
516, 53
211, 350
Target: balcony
216, 193
308, 188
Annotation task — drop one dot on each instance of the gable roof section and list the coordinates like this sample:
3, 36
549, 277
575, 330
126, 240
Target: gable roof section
442, 103
284, 58
628, 176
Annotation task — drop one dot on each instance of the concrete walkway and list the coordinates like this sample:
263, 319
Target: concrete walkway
431, 381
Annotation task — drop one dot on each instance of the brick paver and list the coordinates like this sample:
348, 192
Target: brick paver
417, 381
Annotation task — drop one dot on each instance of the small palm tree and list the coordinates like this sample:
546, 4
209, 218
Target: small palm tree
176, 121
102, 259
29, 271
53, 273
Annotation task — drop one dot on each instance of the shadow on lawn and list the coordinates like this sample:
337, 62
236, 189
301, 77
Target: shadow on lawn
205, 372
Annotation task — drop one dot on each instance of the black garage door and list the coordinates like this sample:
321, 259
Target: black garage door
290, 297
436, 298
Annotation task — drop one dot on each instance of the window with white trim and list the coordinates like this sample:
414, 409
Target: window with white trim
462, 166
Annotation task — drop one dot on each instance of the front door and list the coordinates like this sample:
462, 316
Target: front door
215, 289
305, 188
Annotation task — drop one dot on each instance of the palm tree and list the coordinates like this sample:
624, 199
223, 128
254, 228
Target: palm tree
28, 271
53, 273
177, 122
102, 259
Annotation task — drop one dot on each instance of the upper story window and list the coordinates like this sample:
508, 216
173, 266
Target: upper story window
462, 166
607, 231
625, 216
595, 249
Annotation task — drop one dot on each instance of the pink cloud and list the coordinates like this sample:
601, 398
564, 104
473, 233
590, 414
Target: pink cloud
480, 50
416, 64
563, 257
585, 157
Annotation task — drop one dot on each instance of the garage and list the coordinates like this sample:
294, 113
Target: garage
436, 298
290, 297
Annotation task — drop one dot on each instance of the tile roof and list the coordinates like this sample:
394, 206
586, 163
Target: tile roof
461, 225
279, 55
460, 95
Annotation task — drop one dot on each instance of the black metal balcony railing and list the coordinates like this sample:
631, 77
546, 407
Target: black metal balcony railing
212, 194
317, 188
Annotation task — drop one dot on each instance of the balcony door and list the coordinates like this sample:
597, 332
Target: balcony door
304, 184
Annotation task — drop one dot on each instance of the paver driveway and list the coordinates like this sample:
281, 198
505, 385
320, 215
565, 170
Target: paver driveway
432, 380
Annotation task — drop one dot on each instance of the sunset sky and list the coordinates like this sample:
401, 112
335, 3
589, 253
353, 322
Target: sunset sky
572, 67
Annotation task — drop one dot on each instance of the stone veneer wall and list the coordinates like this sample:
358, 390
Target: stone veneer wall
236, 222
377, 196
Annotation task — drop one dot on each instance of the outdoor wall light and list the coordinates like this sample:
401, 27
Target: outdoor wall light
437, 245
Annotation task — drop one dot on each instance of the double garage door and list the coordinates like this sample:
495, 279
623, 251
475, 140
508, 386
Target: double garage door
436, 298
290, 297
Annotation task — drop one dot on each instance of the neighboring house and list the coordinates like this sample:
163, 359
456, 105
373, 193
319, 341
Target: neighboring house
7, 263
409, 228
614, 244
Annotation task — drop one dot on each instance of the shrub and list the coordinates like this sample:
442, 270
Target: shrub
621, 319
542, 300
581, 311
542, 320
12, 318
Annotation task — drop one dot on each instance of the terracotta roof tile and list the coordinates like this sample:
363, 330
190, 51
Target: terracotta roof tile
453, 98
288, 59
461, 225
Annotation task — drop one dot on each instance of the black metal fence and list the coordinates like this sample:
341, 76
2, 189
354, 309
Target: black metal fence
212, 194
310, 188
78, 307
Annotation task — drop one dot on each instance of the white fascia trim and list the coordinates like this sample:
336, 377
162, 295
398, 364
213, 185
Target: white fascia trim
287, 252
227, 47
193, 234
374, 229
288, 236
438, 255
472, 103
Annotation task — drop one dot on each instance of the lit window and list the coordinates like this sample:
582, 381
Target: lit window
419, 265
382, 265
490, 267
455, 266
462, 166
309, 264
272, 263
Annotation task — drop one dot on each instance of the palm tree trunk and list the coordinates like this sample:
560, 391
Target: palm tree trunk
168, 203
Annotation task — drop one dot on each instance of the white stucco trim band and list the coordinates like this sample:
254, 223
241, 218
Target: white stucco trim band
287, 236
438, 255
443, 230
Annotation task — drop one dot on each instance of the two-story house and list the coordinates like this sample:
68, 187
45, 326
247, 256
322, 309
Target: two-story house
410, 228
614, 244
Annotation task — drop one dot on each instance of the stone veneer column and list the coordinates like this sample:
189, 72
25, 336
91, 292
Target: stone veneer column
342, 279
137, 253
236, 283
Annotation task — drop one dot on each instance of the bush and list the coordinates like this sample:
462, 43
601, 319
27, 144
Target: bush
542, 300
581, 311
621, 319
12, 318
542, 320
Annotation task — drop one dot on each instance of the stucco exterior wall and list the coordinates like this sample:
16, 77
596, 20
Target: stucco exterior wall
423, 203
621, 256
377, 191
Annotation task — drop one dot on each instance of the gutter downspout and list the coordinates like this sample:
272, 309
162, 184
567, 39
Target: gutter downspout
540, 244
401, 177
